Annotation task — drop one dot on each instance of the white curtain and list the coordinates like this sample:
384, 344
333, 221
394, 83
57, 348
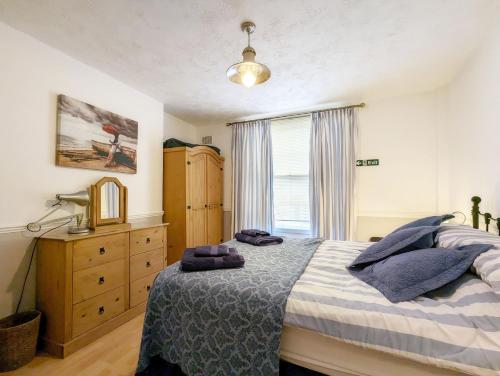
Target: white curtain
113, 194
110, 204
332, 173
252, 198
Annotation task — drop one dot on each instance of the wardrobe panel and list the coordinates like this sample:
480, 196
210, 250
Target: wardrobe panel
197, 200
214, 180
214, 224
174, 201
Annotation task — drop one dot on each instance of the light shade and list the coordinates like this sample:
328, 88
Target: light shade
81, 198
248, 72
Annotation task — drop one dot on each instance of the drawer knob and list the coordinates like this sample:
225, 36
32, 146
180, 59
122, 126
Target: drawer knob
101, 280
148, 264
102, 250
148, 240
148, 287
101, 310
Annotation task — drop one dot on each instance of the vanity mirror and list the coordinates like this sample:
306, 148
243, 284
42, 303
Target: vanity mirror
108, 210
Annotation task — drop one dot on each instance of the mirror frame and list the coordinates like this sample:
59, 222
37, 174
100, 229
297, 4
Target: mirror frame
95, 203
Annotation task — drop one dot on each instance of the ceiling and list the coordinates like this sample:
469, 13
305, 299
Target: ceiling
319, 51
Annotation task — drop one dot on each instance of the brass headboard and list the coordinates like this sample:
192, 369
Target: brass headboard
487, 216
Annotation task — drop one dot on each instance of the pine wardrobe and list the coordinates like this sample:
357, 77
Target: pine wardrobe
192, 198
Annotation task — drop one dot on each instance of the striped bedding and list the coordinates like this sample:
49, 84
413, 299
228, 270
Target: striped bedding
486, 265
457, 326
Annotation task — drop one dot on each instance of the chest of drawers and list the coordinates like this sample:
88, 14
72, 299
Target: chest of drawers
87, 285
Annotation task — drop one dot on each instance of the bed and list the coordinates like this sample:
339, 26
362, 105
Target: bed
331, 322
336, 323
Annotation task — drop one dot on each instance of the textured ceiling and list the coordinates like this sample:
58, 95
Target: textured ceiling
319, 51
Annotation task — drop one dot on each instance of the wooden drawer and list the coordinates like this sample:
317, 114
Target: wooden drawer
146, 263
100, 250
95, 311
91, 282
146, 240
139, 290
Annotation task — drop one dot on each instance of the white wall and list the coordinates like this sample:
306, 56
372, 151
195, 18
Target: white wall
402, 133
176, 128
436, 149
31, 76
473, 131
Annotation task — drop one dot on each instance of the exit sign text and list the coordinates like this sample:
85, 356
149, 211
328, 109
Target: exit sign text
367, 162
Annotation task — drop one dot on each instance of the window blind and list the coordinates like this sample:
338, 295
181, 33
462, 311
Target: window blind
290, 143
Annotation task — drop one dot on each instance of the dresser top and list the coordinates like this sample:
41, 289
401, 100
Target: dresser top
64, 236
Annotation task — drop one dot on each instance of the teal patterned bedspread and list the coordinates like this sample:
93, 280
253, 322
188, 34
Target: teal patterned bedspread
224, 322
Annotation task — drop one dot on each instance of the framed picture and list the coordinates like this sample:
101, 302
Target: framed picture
93, 138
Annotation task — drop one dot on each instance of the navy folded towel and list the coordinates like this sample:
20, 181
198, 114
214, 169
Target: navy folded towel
191, 263
211, 250
253, 232
259, 240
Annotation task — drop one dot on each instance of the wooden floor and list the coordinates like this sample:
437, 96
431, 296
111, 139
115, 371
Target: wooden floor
114, 354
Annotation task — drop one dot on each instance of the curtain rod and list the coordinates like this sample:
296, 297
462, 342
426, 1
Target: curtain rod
298, 114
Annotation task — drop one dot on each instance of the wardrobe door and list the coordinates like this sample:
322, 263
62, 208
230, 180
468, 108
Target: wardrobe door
175, 193
197, 198
214, 200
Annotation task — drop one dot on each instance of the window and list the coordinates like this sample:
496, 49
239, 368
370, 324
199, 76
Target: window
290, 138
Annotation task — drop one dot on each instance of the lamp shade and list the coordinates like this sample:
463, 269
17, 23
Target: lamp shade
81, 198
248, 72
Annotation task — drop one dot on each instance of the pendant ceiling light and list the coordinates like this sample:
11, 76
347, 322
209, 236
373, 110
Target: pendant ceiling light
248, 72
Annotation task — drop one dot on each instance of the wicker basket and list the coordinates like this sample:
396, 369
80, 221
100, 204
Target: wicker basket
18, 339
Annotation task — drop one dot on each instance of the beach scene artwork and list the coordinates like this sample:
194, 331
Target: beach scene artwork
93, 138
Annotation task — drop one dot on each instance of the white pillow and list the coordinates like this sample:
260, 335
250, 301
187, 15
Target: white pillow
487, 264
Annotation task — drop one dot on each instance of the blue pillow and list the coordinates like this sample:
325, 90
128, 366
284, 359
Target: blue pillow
434, 220
405, 240
408, 275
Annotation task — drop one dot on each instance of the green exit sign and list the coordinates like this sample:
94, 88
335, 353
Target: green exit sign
367, 162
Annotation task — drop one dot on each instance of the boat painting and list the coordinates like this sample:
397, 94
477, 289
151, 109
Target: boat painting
124, 156
93, 138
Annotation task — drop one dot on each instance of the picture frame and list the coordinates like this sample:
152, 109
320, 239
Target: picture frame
92, 138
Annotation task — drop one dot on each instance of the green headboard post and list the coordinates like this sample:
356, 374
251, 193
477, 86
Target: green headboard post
487, 216
487, 220
475, 211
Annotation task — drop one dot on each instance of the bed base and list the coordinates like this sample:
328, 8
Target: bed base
330, 356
